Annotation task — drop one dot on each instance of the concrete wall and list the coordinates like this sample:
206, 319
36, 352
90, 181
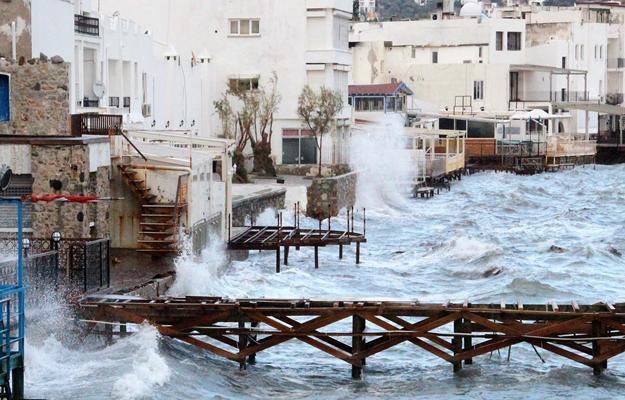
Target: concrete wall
17, 11
327, 196
250, 207
39, 99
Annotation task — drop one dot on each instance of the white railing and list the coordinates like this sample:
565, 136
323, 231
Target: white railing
558, 146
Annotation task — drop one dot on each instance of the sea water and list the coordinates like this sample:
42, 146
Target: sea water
494, 236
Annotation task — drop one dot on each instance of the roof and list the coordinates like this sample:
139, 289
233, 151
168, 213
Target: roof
384, 89
593, 107
545, 68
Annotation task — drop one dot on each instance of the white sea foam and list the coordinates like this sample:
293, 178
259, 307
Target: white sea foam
385, 166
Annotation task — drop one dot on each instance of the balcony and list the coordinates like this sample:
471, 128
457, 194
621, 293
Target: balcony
561, 96
86, 25
95, 124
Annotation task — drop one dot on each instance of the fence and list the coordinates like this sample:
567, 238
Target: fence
76, 264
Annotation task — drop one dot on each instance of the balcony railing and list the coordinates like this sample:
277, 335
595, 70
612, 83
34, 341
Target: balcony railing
95, 124
90, 103
554, 96
86, 25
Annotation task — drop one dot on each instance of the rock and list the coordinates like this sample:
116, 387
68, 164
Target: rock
615, 252
43, 58
32, 61
493, 271
556, 249
37, 86
57, 60
22, 60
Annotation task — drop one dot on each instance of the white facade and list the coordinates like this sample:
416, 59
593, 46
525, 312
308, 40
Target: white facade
304, 42
557, 54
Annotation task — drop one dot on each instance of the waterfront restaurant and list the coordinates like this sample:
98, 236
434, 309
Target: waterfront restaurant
387, 97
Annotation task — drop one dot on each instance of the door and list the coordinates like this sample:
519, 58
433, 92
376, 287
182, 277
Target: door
4, 98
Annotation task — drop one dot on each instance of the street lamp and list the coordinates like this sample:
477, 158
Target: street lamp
25, 246
56, 238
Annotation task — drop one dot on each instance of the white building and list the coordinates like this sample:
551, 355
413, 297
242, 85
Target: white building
517, 58
304, 42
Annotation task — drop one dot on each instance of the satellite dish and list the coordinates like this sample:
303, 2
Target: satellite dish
99, 89
5, 177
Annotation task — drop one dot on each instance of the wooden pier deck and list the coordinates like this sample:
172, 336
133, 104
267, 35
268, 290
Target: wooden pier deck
277, 237
353, 331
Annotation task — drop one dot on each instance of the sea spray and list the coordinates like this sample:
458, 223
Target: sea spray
386, 168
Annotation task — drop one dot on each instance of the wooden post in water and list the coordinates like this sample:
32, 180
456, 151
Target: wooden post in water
598, 330
242, 344
286, 255
252, 357
316, 257
340, 251
358, 327
357, 252
457, 344
468, 340
278, 259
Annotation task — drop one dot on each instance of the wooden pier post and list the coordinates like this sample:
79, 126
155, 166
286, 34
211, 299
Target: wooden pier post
468, 340
357, 252
123, 330
340, 251
252, 357
598, 330
316, 257
457, 344
278, 259
358, 327
286, 255
17, 382
242, 345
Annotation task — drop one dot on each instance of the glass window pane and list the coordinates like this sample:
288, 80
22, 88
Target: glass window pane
256, 27
234, 27
245, 27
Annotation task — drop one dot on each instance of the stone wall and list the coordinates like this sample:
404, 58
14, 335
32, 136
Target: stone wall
327, 196
311, 169
251, 207
67, 166
17, 11
39, 98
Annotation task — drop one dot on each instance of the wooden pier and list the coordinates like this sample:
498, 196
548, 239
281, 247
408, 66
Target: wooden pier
353, 331
275, 238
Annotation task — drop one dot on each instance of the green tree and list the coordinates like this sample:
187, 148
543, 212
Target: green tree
318, 111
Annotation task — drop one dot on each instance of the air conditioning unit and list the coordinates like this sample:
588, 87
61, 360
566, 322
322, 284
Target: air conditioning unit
146, 110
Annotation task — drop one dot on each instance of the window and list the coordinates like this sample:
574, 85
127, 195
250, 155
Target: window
414, 51
514, 41
479, 52
563, 62
298, 147
581, 52
5, 110
435, 57
244, 27
499, 41
596, 51
126, 102
243, 84
478, 90
601, 52
113, 101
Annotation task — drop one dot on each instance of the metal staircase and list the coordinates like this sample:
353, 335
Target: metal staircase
159, 223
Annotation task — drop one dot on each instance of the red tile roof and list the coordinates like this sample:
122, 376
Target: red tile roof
378, 89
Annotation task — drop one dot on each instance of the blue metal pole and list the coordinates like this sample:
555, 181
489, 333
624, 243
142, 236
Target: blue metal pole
20, 277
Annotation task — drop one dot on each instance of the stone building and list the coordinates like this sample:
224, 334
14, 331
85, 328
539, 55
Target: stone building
37, 142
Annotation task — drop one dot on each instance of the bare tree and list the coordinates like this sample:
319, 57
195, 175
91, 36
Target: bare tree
319, 110
249, 121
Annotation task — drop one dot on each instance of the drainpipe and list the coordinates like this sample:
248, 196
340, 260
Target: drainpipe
14, 40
